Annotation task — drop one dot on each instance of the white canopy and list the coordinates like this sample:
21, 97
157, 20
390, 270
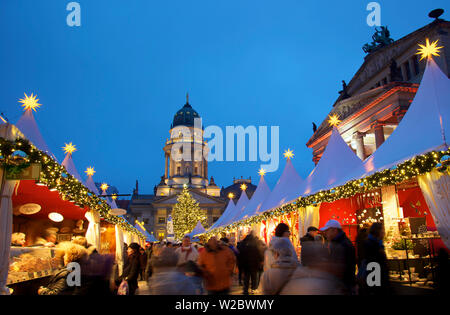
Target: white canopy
199, 229
229, 209
28, 126
425, 126
338, 165
70, 167
240, 207
257, 200
284, 189
91, 185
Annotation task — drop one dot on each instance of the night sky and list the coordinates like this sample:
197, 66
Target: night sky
113, 85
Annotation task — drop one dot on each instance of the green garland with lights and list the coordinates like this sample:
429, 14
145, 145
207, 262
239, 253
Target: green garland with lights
55, 176
418, 165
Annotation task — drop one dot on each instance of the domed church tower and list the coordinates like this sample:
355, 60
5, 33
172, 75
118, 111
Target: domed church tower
185, 155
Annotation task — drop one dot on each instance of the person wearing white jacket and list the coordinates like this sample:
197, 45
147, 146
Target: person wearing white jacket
281, 233
187, 252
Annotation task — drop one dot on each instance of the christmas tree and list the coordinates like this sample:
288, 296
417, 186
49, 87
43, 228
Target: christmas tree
186, 214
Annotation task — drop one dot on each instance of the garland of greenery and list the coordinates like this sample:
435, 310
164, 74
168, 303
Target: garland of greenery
418, 165
55, 176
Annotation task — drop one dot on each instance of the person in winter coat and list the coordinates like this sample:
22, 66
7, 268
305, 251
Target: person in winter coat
342, 258
143, 263
286, 277
57, 284
186, 252
131, 268
307, 242
373, 251
250, 258
167, 279
281, 231
217, 263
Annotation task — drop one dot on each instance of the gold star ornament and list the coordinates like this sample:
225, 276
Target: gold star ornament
104, 186
90, 171
30, 102
243, 187
69, 148
262, 172
289, 154
231, 195
429, 50
334, 120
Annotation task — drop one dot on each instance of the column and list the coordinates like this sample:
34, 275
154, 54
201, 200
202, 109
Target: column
167, 163
359, 138
379, 134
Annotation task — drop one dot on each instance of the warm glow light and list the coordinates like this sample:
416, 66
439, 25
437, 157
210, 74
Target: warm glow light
69, 148
30, 102
55, 217
429, 50
289, 154
231, 195
243, 187
104, 186
90, 171
114, 196
262, 172
334, 120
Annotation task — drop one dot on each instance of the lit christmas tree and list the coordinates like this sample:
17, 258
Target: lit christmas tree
186, 214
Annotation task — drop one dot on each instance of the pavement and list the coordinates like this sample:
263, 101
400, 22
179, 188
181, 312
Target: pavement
236, 289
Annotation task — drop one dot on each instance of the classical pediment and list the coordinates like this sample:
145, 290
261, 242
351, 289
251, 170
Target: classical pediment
200, 197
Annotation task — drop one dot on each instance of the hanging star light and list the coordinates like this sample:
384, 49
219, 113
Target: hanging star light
231, 195
114, 196
90, 171
69, 148
262, 172
334, 120
104, 186
243, 187
429, 50
289, 154
30, 102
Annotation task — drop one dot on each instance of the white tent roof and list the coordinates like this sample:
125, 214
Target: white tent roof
70, 167
28, 126
199, 229
338, 165
91, 185
240, 207
423, 127
258, 198
284, 189
229, 209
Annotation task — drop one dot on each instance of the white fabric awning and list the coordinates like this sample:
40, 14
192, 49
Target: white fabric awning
28, 126
70, 167
259, 196
229, 209
240, 207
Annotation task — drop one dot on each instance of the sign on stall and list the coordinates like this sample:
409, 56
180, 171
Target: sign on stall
31, 172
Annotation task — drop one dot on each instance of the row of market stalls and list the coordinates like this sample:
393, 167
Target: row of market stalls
405, 184
44, 202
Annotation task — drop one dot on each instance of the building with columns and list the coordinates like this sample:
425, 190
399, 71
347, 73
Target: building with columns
185, 164
374, 102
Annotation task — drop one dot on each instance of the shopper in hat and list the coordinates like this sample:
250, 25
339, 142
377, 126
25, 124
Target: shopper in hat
132, 268
307, 242
341, 256
281, 231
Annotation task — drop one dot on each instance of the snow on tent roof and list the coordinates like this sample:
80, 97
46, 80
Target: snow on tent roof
338, 165
70, 167
257, 200
230, 208
240, 207
28, 126
424, 127
286, 185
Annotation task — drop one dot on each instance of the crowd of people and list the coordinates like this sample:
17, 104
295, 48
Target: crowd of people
329, 264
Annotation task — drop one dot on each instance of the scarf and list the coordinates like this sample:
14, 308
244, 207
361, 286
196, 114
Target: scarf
188, 250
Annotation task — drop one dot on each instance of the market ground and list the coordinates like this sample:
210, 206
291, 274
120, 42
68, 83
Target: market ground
236, 289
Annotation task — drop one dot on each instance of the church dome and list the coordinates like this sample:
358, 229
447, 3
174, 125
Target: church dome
185, 116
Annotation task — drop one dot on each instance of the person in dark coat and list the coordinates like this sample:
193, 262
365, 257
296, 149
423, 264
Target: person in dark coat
307, 242
342, 258
143, 263
373, 251
251, 259
132, 268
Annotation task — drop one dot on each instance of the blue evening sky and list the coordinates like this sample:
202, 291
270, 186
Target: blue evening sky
113, 85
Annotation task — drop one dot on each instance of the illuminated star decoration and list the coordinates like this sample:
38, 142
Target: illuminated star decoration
243, 187
262, 172
334, 120
429, 50
114, 196
69, 148
104, 186
231, 195
29, 102
90, 171
289, 154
